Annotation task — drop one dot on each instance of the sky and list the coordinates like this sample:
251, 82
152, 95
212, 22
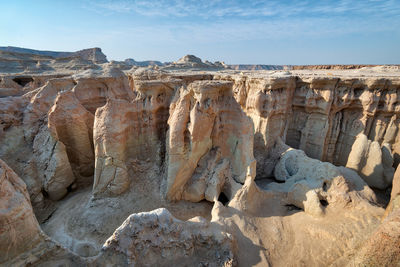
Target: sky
236, 32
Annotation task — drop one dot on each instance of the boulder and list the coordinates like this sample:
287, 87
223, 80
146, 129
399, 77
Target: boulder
314, 186
372, 161
156, 238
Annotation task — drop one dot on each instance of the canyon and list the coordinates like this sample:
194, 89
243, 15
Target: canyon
197, 163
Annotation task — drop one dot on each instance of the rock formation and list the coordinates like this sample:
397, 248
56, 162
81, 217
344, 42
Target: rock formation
205, 120
193, 163
19, 229
157, 238
93, 54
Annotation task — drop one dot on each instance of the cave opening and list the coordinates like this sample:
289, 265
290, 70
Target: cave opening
223, 199
23, 80
323, 202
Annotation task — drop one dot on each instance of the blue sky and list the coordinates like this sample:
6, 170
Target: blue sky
253, 32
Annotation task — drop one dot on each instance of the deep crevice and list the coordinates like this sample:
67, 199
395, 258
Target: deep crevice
323, 202
223, 198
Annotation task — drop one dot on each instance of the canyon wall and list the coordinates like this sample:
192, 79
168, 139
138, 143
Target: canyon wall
325, 117
68, 130
296, 152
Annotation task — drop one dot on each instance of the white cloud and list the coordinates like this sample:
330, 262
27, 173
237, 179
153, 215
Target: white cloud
239, 9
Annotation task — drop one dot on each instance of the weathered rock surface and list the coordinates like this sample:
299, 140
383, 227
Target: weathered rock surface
129, 133
323, 117
371, 161
314, 186
396, 184
157, 238
286, 158
19, 229
382, 247
206, 118
22, 242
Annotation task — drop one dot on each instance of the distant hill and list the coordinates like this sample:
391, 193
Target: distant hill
93, 54
256, 67
132, 62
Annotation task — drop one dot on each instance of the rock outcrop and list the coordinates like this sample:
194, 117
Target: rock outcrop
382, 247
158, 239
205, 118
131, 132
313, 186
20, 231
323, 117
93, 54
372, 161
194, 63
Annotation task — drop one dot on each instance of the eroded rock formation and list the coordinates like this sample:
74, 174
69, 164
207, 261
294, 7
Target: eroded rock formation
206, 120
19, 229
323, 117
157, 238
119, 165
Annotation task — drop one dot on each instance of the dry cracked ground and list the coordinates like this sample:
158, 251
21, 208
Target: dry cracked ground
197, 164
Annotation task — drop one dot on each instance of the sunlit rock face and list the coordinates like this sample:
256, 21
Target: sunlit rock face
195, 163
20, 231
206, 119
325, 117
162, 240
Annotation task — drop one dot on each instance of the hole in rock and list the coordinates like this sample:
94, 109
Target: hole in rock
186, 138
382, 196
358, 91
45, 194
291, 207
23, 80
223, 199
323, 202
325, 187
71, 188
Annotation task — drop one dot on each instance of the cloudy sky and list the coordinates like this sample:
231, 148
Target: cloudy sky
253, 32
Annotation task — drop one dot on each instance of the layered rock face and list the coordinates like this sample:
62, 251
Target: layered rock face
326, 117
119, 165
209, 136
50, 132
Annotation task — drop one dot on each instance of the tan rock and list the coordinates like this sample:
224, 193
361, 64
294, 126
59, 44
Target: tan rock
72, 125
186, 132
51, 160
127, 133
313, 185
19, 230
371, 161
206, 116
110, 138
156, 238
396, 184
382, 247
